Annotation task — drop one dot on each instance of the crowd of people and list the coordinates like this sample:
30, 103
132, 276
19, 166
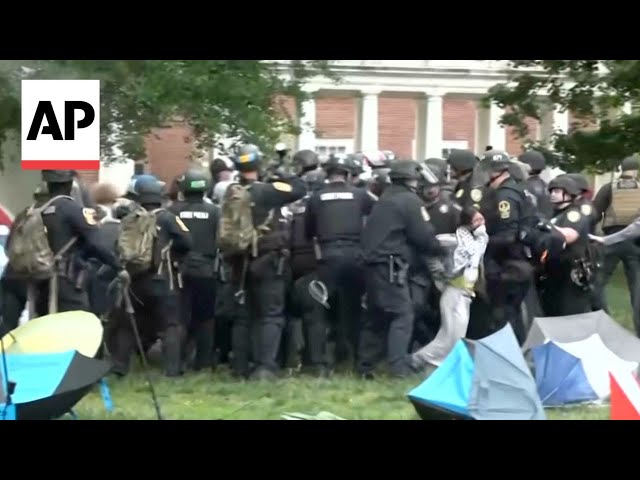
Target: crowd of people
303, 265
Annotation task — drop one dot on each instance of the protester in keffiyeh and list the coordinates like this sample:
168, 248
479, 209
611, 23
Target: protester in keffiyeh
461, 272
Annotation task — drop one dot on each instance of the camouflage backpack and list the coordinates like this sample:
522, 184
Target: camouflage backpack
30, 254
236, 233
136, 239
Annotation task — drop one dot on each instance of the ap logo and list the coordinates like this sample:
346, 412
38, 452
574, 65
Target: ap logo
60, 124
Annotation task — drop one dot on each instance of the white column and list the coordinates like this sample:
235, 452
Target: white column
421, 129
307, 123
367, 135
488, 129
434, 130
553, 120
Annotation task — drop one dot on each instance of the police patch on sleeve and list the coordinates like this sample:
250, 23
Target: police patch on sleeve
89, 216
504, 208
476, 195
573, 216
181, 224
425, 214
459, 193
586, 210
282, 187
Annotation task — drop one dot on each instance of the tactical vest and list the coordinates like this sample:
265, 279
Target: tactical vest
625, 203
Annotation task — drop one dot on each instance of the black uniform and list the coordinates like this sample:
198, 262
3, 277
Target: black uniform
100, 298
627, 252
65, 220
538, 189
154, 296
468, 192
445, 217
566, 288
198, 274
265, 280
335, 217
14, 288
398, 226
508, 272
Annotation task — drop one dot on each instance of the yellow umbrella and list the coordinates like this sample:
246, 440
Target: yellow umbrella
59, 332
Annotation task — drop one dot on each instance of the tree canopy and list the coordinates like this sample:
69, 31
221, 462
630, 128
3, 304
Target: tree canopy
230, 98
592, 90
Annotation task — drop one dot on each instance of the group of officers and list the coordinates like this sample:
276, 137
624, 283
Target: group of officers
341, 273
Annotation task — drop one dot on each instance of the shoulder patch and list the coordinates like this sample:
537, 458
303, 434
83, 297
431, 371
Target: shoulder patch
504, 208
425, 214
476, 195
459, 193
586, 210
89, 216
282, 187
181, 224
573, 216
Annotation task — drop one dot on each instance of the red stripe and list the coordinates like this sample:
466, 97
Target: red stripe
61, 164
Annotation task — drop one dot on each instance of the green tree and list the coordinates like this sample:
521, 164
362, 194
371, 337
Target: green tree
232, 98
593, 90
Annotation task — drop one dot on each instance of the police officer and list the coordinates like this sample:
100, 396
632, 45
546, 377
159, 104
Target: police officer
305, 164
584, 199
445, 217
508, 271
264, 278
72, 232
13, 287
536, 185
444, 212
356, 162
617, 204
154, 292
198, 268
379, 179
334, 219
398, 225
469, 188
442, 167
221, 170
566, 288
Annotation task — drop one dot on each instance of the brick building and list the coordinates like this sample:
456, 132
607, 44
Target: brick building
416, 108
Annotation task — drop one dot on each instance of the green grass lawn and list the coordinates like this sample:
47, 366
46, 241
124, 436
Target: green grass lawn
218, 396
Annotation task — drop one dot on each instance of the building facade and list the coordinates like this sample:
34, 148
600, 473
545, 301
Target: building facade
415, 108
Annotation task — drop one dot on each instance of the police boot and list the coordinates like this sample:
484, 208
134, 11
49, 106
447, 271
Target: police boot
294, 345
204, 346
121, 349
240, 348
171, 351
270, 335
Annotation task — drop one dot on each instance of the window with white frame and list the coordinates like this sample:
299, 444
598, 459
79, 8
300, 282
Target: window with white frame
336, 146
448, 145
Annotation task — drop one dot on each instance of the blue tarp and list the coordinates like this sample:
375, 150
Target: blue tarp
560, 376
483, 379
48, 385
449, 386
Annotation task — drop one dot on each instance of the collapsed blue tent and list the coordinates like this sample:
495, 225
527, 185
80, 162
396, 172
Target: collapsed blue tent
486, 379
46, 385
560, 377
